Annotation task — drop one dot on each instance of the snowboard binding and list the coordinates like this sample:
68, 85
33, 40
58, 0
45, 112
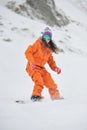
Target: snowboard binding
36, 98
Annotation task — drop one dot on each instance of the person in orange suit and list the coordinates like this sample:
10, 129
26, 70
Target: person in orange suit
38, 55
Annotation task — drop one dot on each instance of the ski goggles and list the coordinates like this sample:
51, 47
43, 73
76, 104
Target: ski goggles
46, 37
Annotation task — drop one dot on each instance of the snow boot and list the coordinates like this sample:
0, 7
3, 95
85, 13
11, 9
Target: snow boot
36, 98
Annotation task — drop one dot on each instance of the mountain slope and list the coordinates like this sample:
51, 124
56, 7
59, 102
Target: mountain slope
16, 33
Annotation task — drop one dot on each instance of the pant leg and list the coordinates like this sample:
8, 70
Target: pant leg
51, 85
38, 83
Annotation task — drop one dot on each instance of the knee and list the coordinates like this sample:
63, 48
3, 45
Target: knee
38, 79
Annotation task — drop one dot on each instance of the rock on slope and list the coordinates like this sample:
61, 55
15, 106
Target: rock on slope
44, 10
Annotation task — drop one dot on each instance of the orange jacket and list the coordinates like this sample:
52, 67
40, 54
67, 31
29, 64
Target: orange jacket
40, 55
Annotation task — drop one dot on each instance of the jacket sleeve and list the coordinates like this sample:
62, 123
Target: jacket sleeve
29, 52
51, 62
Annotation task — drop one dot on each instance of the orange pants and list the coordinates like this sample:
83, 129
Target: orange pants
42, 78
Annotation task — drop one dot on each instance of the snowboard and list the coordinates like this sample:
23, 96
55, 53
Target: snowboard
20, 101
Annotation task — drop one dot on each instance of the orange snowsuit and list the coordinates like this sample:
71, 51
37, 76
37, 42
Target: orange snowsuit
39, 54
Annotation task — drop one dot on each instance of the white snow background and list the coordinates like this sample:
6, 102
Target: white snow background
16, 33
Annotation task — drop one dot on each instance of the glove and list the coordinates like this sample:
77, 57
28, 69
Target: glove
58, 70
32, 66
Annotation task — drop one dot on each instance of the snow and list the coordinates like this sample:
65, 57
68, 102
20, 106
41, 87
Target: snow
16, 33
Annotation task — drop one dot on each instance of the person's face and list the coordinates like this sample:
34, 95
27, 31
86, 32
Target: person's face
47, 41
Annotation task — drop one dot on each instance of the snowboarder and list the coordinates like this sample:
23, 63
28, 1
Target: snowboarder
38, 55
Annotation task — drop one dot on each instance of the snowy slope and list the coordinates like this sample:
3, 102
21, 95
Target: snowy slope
16, 33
